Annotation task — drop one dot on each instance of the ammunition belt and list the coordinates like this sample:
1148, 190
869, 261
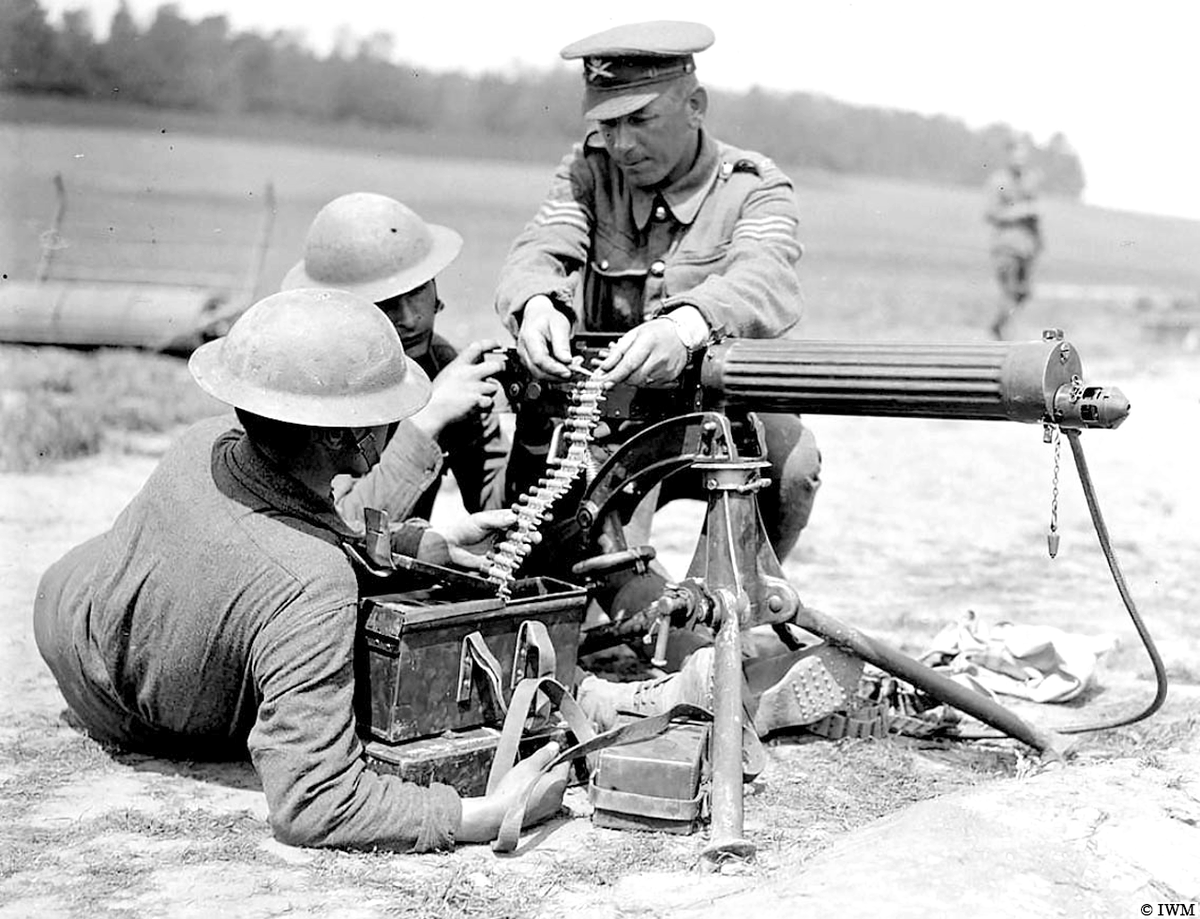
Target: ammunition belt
885, 704
861, 720
535, 506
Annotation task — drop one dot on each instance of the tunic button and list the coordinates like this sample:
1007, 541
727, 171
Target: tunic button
657, 267
604, 264
660, 213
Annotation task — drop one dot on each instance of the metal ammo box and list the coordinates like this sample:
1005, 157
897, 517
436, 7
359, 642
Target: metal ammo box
436, 665
441, 660
656, 784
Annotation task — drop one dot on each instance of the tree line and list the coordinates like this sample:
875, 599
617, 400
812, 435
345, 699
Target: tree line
205, 66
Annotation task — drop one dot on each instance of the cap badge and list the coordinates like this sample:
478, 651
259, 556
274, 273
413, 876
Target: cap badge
598, 69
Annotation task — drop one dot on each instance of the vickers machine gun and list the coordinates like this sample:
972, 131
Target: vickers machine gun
572, 520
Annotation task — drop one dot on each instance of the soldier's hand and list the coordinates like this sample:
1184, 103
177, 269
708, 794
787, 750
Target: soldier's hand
482, 816
544, 339
464, 386
465, 542
652, 354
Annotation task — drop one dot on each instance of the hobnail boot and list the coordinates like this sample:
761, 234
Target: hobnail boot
818, 684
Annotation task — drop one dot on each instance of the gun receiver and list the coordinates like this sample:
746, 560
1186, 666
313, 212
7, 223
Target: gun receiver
1032, 382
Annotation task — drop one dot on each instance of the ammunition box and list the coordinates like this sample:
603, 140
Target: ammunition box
658, 784
416, 676
460, 759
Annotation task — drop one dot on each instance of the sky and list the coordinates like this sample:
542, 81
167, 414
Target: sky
1118, 79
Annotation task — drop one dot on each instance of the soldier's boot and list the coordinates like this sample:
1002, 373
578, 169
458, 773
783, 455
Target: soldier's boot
818, 684
817, 681
602, 701
786, 504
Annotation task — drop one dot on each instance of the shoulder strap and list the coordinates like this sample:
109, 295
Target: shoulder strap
519, 707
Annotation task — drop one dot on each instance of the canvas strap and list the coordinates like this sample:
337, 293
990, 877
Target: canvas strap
533, 642
654, 806
588, 742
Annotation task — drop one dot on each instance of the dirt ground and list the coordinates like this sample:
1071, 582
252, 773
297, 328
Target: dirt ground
917, 522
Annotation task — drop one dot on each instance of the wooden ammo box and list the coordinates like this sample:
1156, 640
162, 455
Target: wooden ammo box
660, 783
442, 659
460, 759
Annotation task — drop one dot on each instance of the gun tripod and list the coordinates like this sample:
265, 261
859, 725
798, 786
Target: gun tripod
735, 582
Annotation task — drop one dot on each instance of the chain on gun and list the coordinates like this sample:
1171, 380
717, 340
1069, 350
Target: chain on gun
535, 506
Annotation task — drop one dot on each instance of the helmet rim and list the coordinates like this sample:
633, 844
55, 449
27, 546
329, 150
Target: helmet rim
314, 357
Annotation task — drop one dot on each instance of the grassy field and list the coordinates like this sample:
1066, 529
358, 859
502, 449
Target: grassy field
917, 521
883, 259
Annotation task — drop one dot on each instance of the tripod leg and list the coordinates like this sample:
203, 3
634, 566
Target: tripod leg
944, 690
727, 838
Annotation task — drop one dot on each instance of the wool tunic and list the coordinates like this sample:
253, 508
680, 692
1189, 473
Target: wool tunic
217, 617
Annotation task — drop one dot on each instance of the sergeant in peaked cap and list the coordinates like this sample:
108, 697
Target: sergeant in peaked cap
628, 67
657, 231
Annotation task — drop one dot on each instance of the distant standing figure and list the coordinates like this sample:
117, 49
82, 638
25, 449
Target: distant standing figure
1016, 232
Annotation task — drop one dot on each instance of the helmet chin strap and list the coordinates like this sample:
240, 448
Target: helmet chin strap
419, 346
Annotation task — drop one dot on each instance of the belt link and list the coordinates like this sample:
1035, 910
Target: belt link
534, 507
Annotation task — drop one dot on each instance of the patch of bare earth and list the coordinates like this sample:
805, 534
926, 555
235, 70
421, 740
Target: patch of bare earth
916, 522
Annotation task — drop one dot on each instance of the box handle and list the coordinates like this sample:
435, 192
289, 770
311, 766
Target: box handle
533, 638
476, 654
